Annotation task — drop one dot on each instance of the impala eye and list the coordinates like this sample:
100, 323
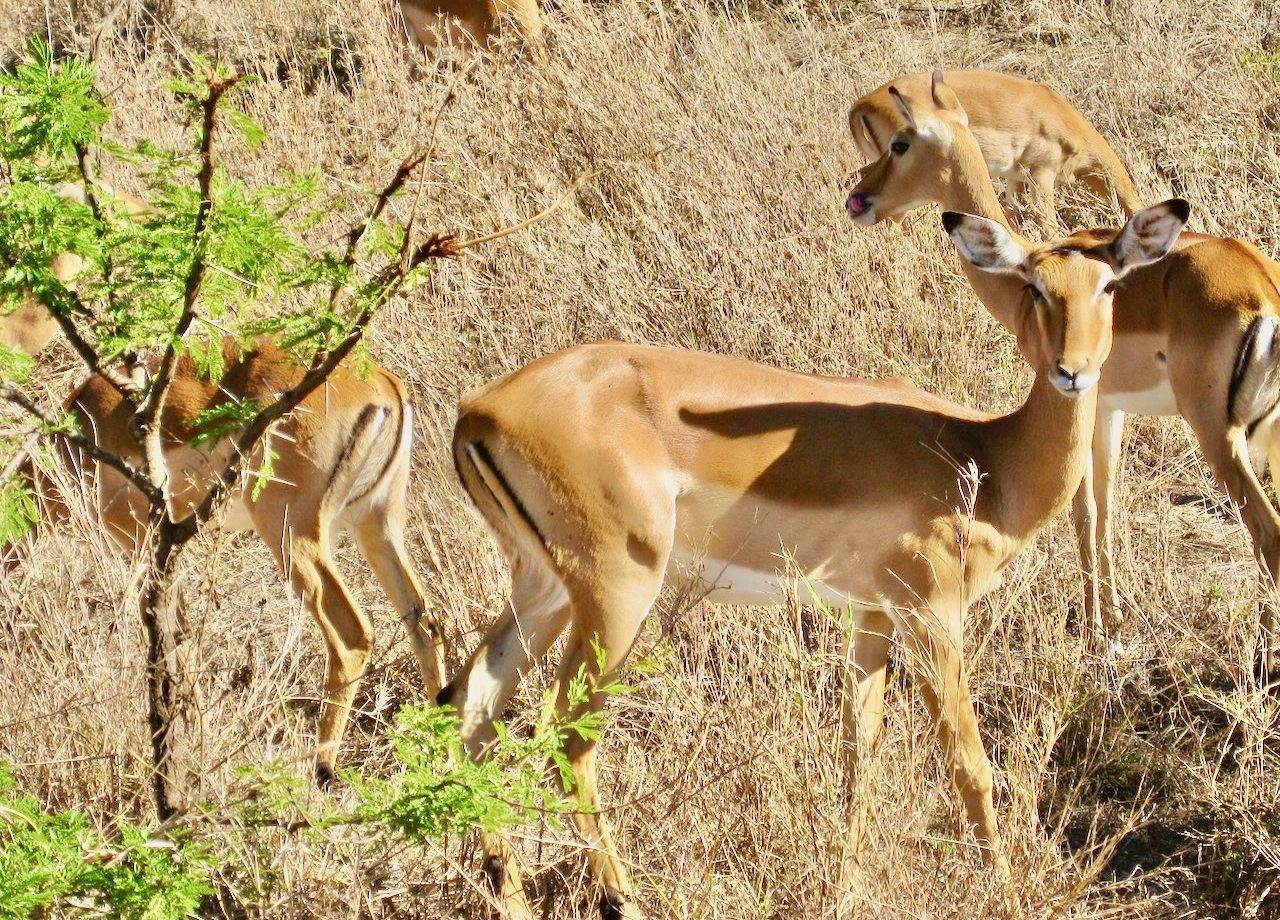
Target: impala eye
1035, 293
899, 147
1109, 287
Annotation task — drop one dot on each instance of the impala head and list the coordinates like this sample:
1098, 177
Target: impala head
916, 168
1065, 327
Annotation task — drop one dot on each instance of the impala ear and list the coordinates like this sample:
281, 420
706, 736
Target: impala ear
986, 244
903, 107
945, 98
1148, 235
864, 124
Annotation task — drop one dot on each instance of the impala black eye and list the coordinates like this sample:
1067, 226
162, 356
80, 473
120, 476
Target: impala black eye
1109, 288
899, 147
1035, 293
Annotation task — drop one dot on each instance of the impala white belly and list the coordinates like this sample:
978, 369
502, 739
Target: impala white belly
237, 517
726, 583
1158, 400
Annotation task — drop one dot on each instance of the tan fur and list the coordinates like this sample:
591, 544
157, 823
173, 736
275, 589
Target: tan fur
604, 469
431, 24
1029, 135
341, 463
1179, 328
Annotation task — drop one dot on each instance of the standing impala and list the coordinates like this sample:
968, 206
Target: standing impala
603, 468
1028, 134
469, 23
1194, 335
341, 460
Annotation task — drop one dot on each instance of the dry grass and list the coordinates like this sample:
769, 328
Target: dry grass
1147, 789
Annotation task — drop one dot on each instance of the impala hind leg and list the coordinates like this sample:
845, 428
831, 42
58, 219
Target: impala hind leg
936, 651
301, 547
1268, 620
605, 627
534, 617
379, 531
1228, 453
866, 661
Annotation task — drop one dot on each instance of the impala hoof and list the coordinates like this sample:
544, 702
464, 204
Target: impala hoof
612, 905
326, 779
495, 874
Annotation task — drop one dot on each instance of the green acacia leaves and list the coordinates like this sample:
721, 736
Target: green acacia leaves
49, 108
17, 511
57, 864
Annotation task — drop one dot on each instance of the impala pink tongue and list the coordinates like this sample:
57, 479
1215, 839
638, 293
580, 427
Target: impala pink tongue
856, 205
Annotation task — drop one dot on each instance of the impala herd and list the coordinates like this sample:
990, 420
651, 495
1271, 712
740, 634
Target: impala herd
605, 470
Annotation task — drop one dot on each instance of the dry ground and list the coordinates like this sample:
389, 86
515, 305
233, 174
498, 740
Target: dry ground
716, 134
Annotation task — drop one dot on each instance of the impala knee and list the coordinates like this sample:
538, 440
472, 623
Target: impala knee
974, 777
347, 662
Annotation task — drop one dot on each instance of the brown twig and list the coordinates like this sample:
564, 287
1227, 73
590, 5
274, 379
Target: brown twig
80, 345
460, 246
115, 461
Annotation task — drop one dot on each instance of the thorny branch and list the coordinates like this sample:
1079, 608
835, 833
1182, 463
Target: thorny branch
80, 345
89, 180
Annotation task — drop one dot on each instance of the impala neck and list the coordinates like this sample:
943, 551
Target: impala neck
970, 191
1038, 456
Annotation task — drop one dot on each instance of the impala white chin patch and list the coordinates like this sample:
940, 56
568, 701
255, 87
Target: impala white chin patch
1074, 386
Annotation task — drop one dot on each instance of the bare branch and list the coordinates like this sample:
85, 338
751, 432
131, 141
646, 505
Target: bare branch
88, 354
87, 178
115, 461
398, 179
449, 96
529, 222
20, 457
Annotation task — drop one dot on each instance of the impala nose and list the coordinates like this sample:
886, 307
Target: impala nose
1075, 380
857, 205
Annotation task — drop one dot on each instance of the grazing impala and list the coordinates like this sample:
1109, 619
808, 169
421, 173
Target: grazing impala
1194, 335
340, 460
431, 24
1028, 134
603, 468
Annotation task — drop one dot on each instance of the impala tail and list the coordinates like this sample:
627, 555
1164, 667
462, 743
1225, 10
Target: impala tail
1254, 396
492, 494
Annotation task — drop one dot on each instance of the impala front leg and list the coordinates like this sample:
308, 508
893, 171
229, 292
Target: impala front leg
534, 617
935, 642
1091, 517
866, 660
1107, 434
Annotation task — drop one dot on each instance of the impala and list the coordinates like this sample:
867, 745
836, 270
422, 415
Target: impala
341, 461
1028, 134
430, 24
602, 469
1195, 335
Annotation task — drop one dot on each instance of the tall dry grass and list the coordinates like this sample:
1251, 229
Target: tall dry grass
715, 135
